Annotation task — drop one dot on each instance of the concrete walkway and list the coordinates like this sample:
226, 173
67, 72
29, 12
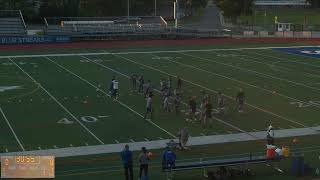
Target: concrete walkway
194, 141
211, 18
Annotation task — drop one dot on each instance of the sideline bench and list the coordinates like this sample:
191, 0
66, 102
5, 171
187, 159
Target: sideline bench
199, 164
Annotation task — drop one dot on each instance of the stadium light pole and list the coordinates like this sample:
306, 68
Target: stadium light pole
175, 4
128, 11
155, 7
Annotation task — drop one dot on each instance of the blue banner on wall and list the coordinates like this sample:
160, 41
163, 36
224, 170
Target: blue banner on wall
34, 40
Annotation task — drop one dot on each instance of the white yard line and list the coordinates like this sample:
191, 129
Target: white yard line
211, 90
105, 93
219, 120
242, 82
252, 71
12, 130
146, 52
58, 102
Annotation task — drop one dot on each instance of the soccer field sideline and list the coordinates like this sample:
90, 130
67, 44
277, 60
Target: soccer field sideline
106, 54
160, 144
151, 52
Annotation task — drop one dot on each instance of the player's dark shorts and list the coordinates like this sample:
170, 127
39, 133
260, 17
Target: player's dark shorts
149, 110
193, 109
241, 102
114, 92
208, 115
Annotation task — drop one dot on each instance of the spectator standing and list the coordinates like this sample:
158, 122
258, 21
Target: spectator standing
144, 163
126, 156
270, 135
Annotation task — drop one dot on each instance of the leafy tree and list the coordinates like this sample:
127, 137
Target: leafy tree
235, 8
26, 6
314, 3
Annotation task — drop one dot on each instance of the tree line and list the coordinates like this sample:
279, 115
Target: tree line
36, 9
235, 8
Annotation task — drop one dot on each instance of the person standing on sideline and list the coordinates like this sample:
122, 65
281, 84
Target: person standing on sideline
149, 107
270, 135
126, 156
144, 162
168, 160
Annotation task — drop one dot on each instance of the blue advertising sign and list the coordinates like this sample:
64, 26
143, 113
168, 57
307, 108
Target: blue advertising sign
34, 40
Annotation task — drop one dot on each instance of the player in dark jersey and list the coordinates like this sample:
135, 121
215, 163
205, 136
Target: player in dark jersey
203, 103
169, 85
177, 102
207, 113
221, 103
179, 82
141, 83
148, 88
134, 78
240, 99
162, 89
193, 108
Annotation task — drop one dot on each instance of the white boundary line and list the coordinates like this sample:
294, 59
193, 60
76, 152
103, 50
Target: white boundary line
211, 90
252, 71
14, 134
105, 93
62, 106
219, 120
241, 82
146, 52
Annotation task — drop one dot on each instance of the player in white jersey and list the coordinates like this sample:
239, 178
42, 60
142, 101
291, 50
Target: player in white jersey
115, 88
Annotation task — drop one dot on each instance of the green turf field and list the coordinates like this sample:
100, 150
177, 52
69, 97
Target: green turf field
60, 99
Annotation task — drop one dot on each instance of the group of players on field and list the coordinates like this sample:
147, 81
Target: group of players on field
170, 95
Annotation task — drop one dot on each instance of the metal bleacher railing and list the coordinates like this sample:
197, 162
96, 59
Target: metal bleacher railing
281, 2
119, 27
12, 23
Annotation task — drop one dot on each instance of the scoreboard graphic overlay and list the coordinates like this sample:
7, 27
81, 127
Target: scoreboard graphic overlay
27, 167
